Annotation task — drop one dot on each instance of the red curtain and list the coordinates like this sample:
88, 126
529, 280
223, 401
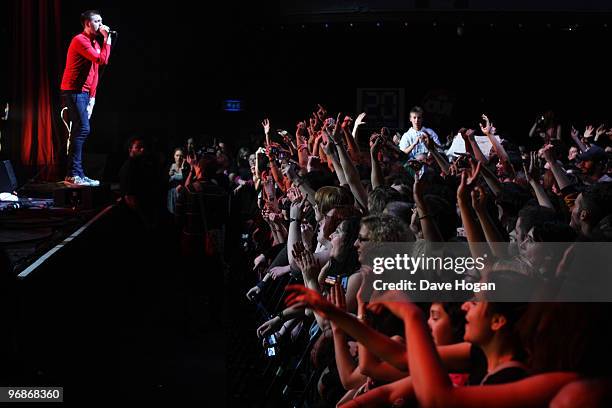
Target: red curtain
37, 61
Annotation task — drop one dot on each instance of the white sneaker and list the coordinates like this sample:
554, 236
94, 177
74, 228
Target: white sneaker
92, 182
76, 181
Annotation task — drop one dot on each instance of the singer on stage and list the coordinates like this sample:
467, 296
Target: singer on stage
78, 89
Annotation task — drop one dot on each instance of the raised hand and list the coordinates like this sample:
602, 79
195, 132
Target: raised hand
310, 265
588, 132
574, 133
548, 153
600, 131
253, 293
486, 129
266, 126
428, 140
358, 122
307, 236
337, 296
297, 209
479, 199
270, 326
299, 295
301, 132
464, 189
294, 194
346, 124
279, 271
314, 122
328, 148
475, 169
376, 144
396, 302
533, 173
365, 290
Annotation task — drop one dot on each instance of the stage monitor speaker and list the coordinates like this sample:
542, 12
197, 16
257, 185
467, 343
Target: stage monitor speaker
8, 181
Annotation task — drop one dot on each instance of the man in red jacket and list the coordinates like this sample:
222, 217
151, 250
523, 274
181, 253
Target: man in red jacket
78, 89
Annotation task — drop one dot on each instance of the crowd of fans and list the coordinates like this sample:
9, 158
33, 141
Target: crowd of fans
307, 208
323, 198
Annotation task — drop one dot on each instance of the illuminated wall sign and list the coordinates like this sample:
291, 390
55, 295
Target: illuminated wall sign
232, 105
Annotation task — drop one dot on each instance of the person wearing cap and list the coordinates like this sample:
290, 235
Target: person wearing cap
592, 165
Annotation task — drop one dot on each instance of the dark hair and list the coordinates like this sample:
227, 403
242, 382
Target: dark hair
348, 260
532, 215
380, 196
598, 200
457, 319
512, 198
340, 214
400, 209
416, 109
133, 140
568, 337
317, 179
443, 214
553, 231
87, 15
513, 312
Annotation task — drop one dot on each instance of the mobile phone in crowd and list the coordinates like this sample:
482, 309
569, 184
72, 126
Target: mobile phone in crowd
331, 280
271, 339
271, 352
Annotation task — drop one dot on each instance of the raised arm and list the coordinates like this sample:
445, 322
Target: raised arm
497, 146
348, 371
533, 176
473, 231
350, 171
575, 135
432, 146
376, 175
432, 385
302, 144
428, 225
560, 175
470, 140
379, 344
332, 154
495, 238
351, 145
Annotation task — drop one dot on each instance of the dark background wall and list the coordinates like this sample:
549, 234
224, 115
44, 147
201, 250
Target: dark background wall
173, 64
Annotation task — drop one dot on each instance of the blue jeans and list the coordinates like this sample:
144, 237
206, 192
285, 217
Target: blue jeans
77, 108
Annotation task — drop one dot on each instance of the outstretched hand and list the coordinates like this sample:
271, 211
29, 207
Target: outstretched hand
396, 302
358, 122
486, 129
266, 126
301, 296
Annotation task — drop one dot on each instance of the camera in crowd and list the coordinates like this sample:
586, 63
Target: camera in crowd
271, 346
